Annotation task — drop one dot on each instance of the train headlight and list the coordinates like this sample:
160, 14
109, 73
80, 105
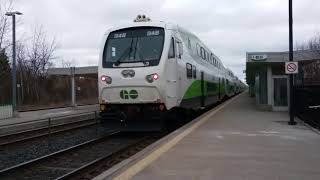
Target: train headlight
103, 78
149, 78
155, 76
152, 77
106, 79
125, 73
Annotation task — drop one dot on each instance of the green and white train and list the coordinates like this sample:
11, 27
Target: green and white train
151, 69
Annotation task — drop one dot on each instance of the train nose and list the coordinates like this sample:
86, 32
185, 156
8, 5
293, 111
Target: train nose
131, 94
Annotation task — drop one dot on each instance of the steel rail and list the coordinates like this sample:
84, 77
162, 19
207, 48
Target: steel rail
93, 163
36, 160
48, 133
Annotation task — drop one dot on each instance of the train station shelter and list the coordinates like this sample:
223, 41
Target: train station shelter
268, 82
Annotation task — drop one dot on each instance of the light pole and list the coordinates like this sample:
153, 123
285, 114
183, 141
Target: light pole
14, 78
291, 121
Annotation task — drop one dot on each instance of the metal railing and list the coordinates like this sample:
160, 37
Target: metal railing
50, 122
5, 111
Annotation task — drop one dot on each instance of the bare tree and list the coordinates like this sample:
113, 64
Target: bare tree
38, 58
35, 54
22, 69
310, 50
5, 6
313, 44
41, 52
5, 83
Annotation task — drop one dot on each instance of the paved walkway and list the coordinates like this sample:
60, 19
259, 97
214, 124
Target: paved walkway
36, 119
240, 143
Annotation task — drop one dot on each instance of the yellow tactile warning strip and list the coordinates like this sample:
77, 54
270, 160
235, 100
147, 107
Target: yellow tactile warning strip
143, 163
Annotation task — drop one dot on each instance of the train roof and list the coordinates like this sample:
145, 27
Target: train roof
161, 24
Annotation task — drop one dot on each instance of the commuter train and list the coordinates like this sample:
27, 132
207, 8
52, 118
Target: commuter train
150, 70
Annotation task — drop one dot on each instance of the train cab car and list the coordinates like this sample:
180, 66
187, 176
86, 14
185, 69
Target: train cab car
150, 70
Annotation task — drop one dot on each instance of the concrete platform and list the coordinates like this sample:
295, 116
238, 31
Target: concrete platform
37, 119
232, 142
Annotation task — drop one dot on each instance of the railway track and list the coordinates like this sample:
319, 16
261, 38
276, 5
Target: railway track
78, 161
102, 164
75, 160
13, 138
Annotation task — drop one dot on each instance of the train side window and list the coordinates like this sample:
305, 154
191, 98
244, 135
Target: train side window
194, 69
212, 59
189, 43
203, 53
189, 70
198, 50
172, 53
180, 49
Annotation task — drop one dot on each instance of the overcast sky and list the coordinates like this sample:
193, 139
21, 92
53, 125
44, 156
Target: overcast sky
229, 27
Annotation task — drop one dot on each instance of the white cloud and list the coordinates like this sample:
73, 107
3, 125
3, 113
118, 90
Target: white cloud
229, 28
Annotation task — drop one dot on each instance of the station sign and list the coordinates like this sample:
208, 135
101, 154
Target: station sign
291, 67
259, 57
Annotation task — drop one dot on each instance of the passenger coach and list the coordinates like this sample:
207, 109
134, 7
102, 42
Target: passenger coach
150, 71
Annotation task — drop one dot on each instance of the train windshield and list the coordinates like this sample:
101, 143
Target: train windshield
141, 45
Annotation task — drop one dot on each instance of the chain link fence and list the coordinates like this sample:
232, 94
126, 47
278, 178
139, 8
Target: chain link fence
5, 111
44, 93
59, 87
62, 87
307, 93
5, 94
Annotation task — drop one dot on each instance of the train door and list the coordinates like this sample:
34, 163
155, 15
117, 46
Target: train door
202, 99
179, 52
172, 85
219, 89
223, 88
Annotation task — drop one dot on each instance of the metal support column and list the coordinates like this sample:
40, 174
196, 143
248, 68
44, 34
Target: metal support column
73, 88
14, 77
291, 122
